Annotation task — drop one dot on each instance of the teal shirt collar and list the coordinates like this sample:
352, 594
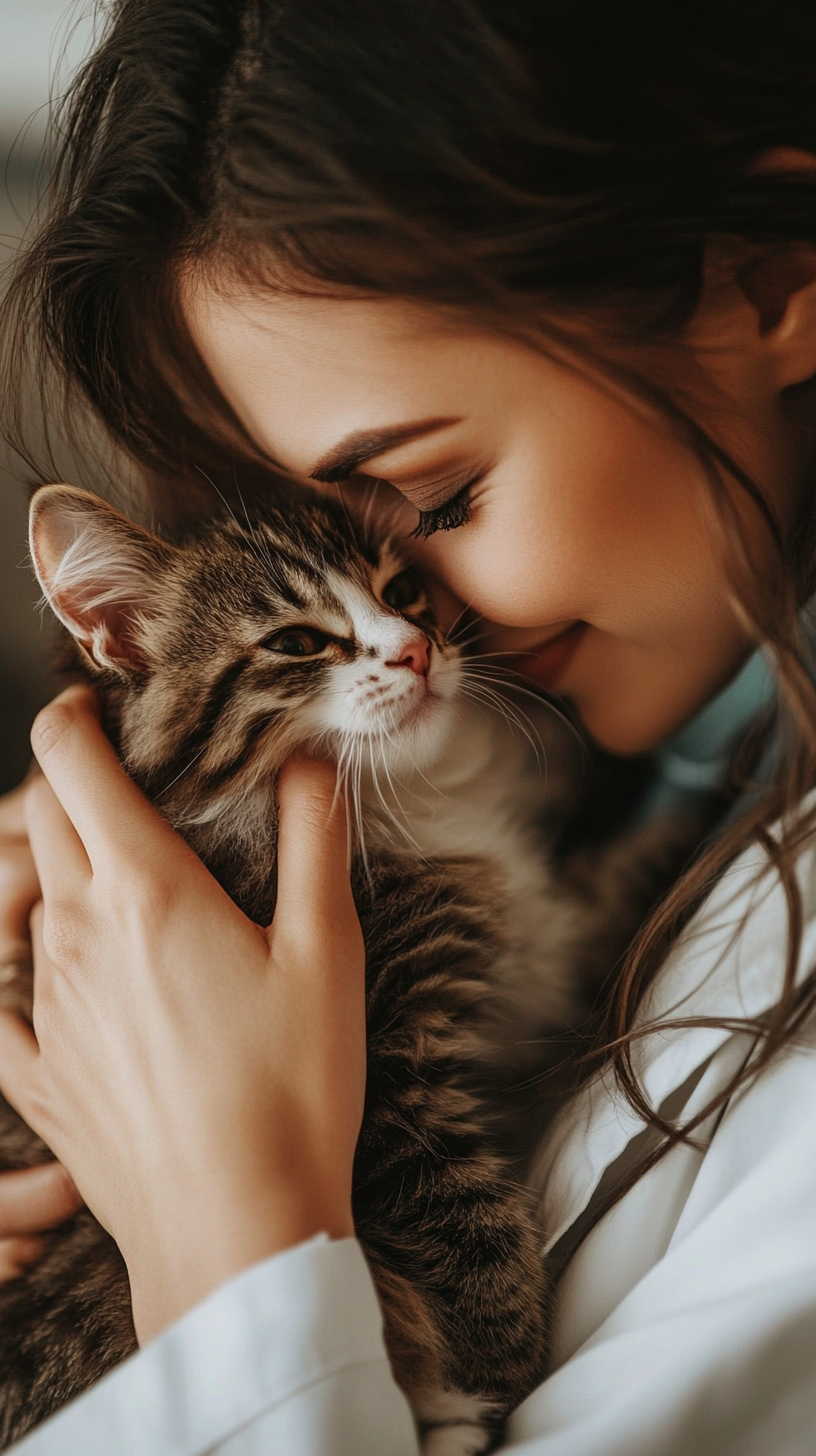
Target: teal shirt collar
697, 760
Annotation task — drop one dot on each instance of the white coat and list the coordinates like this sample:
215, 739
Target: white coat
685, 1324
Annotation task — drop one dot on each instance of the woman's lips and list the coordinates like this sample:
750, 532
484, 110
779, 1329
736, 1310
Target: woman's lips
544, 665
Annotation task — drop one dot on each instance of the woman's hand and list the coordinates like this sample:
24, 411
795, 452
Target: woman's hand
32, 1202
35, 1199
202, 1078
19, 886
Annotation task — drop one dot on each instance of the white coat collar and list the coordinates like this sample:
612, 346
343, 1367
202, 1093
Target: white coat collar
728, 963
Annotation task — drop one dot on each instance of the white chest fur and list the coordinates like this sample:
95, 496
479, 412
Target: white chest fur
488, 794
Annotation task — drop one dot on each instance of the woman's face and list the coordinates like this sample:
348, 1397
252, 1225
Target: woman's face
588, 548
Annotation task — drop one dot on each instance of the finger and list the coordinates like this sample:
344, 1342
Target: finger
33, 1200
62, 865
18, 1254
19, 891
11, 813
314, 888
106, 808
19, 886
19, 1062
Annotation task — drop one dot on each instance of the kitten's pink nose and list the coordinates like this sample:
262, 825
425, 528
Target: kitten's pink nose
415, 654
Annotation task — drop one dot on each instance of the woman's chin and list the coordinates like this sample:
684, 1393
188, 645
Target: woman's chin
622, 730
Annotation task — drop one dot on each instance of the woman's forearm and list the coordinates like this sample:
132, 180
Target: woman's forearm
287, 1357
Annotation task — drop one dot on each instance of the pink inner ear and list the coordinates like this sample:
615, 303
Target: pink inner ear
107, 632
95, 570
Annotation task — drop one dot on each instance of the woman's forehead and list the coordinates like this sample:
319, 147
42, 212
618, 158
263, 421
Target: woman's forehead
313, 325
304, 372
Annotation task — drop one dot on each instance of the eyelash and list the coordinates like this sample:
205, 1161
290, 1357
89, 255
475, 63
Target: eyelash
454, 513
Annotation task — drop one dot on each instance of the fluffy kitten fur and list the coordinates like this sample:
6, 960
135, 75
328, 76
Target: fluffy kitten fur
216, 659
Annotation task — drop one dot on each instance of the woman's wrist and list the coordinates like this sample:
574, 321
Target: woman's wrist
184, 1255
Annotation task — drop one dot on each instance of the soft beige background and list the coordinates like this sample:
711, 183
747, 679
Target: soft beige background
41, 41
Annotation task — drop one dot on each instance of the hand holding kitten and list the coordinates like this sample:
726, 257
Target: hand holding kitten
201, 1077
33, 1200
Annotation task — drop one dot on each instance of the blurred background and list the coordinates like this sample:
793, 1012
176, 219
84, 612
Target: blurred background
41, 44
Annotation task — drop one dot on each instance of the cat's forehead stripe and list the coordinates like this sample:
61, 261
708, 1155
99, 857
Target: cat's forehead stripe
314, 584
307, 538
292, 576
325, 540
311, 561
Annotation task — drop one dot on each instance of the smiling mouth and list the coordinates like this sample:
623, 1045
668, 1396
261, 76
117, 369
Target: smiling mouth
545, 665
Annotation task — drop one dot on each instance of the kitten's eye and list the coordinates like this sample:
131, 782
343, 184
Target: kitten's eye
296, 642
403, 591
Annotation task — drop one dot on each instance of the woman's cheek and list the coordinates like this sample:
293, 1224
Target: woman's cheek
517, 585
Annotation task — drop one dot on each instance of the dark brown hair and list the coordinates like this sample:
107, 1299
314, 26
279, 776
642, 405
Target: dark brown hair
558, 160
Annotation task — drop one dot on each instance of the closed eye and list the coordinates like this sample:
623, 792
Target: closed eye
456, 511
296, 642
447, 517
450, 513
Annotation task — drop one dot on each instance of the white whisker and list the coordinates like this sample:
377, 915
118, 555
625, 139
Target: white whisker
504, 680
181, 773
414, 765
358, 814
402, 829
511, 715
451, 632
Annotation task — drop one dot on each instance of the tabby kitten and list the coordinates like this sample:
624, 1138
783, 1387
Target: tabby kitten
216, 659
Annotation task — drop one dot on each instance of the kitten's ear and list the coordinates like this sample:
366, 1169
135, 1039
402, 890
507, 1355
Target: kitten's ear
101, 575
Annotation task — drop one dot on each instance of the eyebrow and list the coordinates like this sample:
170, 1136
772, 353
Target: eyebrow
361, 445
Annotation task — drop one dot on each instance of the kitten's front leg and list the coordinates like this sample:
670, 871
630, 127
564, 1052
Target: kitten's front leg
451, 1239
454, 1251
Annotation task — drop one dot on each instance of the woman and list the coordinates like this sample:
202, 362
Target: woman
548, 272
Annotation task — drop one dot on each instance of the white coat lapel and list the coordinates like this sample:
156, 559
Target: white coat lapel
728, 964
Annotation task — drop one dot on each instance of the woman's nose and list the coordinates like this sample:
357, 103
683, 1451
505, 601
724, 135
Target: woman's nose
414, 654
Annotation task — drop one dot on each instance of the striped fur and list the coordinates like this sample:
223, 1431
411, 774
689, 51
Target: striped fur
457, 910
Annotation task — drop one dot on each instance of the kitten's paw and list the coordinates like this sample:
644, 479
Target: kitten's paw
454, 1424
457, 1440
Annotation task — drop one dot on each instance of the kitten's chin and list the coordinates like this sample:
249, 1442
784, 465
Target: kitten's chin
422, 736
415, 741
406, 727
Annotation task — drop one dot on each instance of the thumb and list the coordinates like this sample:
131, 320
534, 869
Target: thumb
314, 884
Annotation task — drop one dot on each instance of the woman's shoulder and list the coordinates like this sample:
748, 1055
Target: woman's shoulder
725, 972
731, 958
